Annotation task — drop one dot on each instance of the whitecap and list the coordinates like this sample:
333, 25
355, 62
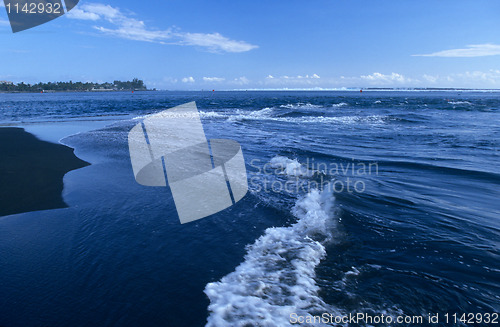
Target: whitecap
261, 114
277, 277
301, 105
458, 102
290, 167
266, 116
211, 114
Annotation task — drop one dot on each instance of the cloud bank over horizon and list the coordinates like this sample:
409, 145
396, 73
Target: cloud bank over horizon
467, 79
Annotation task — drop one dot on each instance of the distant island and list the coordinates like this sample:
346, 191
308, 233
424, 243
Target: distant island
134, 85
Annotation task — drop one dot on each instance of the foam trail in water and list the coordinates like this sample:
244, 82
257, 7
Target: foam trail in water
277, 277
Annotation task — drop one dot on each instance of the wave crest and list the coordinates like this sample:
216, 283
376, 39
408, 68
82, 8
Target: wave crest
290, 167
301, 105
277, 277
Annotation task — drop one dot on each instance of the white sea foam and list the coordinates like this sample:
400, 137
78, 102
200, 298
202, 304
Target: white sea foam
378, 102
301, 105
203, 114
290, 167
458, 102
261, 114
338, 105
266, 115
375, 119
277, 277
211, 114
141, 117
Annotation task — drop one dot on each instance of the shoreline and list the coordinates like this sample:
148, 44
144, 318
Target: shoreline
32, 172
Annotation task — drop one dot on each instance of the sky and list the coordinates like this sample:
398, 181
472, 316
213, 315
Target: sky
277, 44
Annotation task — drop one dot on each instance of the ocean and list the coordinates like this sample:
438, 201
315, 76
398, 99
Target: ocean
374, 203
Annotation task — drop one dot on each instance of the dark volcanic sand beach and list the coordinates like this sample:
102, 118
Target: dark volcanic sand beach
32, 171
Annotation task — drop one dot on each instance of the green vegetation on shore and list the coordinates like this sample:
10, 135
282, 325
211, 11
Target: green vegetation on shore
135, 84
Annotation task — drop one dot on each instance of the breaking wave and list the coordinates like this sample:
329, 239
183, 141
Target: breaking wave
338, 105
266, 114
203, 114
290, 167
458, 102
277, 277
250, 115
301, 105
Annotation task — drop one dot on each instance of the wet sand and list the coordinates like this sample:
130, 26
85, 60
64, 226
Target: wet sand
32, 171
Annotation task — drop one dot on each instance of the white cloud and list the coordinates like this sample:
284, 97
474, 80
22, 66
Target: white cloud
126, 27
214, 42
189, 79
491, 77
170, 80
78, 13
475, 50
468, 79
430, 78
214, 79
241, 81
136, 32
307, 80
379, 78
472, 79
313, 76
96, 11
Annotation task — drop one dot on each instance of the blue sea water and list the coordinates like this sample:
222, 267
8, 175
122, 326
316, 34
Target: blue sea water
374, 202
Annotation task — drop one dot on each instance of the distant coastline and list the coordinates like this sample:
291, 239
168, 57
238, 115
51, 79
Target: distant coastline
138, 85
375, 89
52, 87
